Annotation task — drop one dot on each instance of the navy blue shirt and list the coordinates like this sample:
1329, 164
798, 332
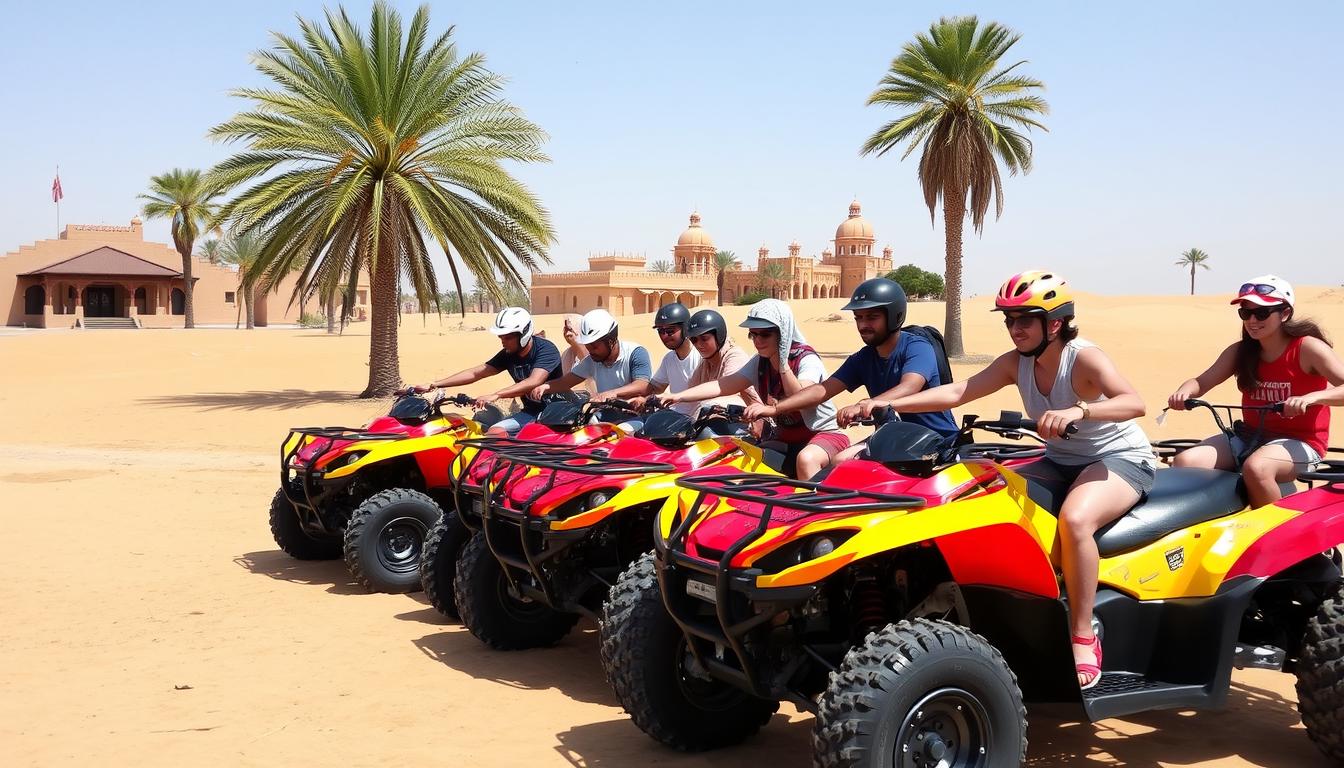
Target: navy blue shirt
543, 354
914, 354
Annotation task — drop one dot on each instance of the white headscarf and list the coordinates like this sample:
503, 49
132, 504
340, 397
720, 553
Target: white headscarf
778, 313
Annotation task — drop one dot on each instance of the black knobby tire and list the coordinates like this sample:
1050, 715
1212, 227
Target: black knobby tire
495, 616
438, 563
385, 537
926, 686
1320, 675
644, 654
290, 536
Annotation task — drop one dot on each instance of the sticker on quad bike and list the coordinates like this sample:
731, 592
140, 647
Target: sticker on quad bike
1175, 559
702, 590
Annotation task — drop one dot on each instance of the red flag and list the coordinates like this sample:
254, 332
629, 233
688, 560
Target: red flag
56, 193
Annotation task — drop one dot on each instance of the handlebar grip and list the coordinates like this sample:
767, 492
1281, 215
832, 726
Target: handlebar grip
1276, 407
621, 404
1192, 403
735, 412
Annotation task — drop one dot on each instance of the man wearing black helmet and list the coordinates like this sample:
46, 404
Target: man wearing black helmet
891, 361
678, 364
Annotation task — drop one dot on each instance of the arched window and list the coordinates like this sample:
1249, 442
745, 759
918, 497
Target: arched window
179, 302
33, 299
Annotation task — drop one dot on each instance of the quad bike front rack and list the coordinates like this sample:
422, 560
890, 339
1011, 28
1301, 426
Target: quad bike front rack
466, 495
738, 605
309, 493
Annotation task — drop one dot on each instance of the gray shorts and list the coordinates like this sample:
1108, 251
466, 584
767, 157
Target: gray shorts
1304, 456
1059, 478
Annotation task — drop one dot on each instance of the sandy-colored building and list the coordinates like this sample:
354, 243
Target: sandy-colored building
95, 275
623, 285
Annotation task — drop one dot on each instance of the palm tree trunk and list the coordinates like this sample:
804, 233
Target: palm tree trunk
331, 314
250, 305
720, 287
188, 305
1192, 279
384, 363
954, 213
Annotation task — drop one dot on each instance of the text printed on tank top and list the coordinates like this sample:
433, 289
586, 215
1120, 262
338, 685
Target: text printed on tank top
1272, 391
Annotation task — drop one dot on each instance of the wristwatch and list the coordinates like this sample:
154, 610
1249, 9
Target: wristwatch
1083, 407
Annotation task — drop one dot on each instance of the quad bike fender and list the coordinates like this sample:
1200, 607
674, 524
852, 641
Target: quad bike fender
433, 454
1316, 525
989, 539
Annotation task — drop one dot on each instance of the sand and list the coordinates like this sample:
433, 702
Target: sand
150, 619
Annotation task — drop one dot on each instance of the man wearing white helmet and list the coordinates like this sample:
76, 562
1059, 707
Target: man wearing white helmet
529, 359
611, 363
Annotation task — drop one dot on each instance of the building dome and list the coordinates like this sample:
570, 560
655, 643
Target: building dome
694, 234
855, 225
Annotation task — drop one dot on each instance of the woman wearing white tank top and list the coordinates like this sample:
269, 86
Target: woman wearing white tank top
1101, 470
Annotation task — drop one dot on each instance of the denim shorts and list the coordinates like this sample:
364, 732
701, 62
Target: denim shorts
1059, 478
1303, 455
512, 424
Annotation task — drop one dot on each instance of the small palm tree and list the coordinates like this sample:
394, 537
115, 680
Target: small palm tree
187, 199
965, 111
209, 250
244, 251
773, 277
1193, 258
480, 296
661, 265
724, 262
371, 141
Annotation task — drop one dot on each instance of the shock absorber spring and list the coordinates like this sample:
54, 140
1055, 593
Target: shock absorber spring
870, 610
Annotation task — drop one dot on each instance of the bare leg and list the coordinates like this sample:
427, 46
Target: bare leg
812, 460
1096, 498
1263, 470
1213, 453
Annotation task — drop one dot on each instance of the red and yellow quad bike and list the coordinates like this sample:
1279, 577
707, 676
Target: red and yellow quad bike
562, 424
373, 493
913, 603
552, 541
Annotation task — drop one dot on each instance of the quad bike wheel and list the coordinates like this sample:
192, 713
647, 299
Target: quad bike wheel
290, 536
650, 668
1320, 675
921, 693
385, 537
438, 563
493, 613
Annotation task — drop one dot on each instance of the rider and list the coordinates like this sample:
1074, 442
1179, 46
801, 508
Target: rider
718, 355
1278, 359
678, 363
530, 360
611, 364
893, 363
811, 434
1101, 471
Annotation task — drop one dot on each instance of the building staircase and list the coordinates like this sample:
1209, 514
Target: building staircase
107, 323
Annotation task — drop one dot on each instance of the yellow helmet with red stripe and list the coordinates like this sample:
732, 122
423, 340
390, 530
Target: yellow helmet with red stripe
1036, 292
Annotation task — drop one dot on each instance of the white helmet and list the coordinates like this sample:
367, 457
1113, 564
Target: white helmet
597, 324
513, 320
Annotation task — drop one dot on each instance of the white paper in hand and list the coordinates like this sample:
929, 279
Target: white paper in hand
1162, 417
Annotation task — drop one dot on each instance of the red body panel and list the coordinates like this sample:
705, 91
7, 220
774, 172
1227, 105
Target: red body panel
1320, 527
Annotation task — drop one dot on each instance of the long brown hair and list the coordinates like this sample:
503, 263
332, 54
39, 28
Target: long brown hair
1248, 351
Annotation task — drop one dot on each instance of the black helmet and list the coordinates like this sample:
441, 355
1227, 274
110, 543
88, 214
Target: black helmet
881, 292
707, 320
675, 313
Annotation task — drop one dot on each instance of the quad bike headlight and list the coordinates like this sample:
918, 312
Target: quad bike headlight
801, 550
598, 498
345, 460
820, 547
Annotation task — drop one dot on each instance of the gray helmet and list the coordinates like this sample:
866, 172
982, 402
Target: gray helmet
706, 321
675, 313
880, 292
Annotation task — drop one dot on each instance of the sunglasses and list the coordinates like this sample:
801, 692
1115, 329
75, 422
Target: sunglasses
1019, 321
1260, 313
667, 330
1262, 289
765, 334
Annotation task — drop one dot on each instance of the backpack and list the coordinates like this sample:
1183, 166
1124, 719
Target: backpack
934, 337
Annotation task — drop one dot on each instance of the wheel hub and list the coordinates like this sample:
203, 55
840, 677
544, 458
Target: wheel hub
399, 544
948, 728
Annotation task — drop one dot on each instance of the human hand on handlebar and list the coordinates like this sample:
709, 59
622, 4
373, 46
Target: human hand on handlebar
759, 411
1053, 424
540, 391
1177, 400
484, 400
1298, 405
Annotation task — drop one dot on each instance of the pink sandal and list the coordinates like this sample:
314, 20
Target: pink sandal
1091, 671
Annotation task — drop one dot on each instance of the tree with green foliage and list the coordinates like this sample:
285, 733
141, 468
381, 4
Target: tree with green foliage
917, 283
243, 251
187, 198
772, 277
968, 114
724, 262
368, 141
209, 250
751, 297
1193, 259
660, 265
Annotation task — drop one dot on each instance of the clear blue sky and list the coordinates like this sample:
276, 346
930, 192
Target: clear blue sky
1173, 125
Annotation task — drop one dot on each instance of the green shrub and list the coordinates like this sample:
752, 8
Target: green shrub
751, 297
312, 320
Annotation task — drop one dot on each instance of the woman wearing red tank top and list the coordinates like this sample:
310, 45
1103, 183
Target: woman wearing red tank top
1278, 360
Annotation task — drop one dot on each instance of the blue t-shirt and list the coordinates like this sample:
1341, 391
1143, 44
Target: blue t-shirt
543, 354
914, 354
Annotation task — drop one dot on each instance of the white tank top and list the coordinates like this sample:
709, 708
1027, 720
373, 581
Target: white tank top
1095, 439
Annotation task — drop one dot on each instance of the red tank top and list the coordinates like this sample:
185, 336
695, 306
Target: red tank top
1276, 381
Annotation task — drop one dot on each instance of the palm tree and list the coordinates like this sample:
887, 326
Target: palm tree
481, 296
771, 277
661, 265
369, 142
209, 250
186, 198
724, 261
244, 250
965, 111
1193, 258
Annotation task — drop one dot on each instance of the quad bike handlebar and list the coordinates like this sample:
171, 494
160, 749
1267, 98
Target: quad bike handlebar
1166, 450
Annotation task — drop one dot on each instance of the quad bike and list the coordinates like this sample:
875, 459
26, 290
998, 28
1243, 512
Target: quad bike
564, 422
913, 603
553, 539
372, 493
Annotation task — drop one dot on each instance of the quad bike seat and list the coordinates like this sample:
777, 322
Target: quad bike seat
1181, 497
